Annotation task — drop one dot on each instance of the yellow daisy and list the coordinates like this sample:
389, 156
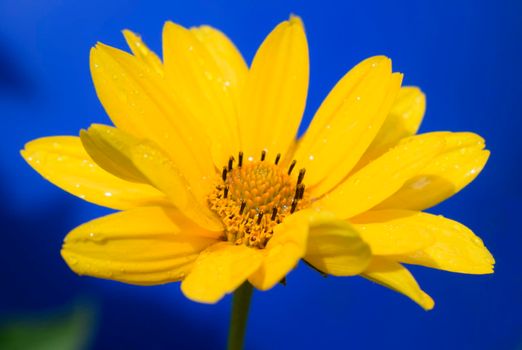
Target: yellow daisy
215, 189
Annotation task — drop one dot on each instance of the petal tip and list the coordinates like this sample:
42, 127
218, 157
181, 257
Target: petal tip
426, 302
295, 20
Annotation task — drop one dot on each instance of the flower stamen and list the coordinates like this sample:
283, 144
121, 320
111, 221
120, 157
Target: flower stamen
278, 157
246, 194
292, 165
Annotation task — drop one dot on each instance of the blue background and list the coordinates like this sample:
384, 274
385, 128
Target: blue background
466, 56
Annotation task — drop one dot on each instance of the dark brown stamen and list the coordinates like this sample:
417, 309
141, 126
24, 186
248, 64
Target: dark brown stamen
259, 217
294, 205
230, 163
291, 167
263, 155
301, 175
300, 193
242, 209
274, 214
224, 174
226, 192
278, 157
240, 160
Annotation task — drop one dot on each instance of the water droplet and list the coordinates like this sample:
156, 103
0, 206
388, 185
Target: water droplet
108, 194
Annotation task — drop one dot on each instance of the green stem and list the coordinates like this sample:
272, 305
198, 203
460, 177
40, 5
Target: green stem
238, 320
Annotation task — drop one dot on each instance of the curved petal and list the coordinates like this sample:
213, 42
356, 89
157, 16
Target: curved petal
335, 247
109, 148
226, 56
142, 246
220, 270
274, 98
382, 177
347, 122
283, 251
163, 174
142, 52
63, 161
396, 277
123, 154
393, 232
403, 120
207, 87
456, 248
462, 159
139, 102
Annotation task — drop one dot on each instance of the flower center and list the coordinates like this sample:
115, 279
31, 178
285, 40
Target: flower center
255, 195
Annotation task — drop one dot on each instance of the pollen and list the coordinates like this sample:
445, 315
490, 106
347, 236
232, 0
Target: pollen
253, 196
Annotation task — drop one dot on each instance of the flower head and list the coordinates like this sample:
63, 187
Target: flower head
215, 189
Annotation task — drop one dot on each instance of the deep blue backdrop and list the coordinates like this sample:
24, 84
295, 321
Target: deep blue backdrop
467, 57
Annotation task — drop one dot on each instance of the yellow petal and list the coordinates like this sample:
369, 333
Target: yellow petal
347, 122
142, 246
163, 174
274, 98
461, 161
335, 247
227, 57
456, 248
206, 87
403, 120
283, 251
63, 161
109, 148
140, 103
392, 232
141, 51
394, 276
220, 270
125, 155
382, 177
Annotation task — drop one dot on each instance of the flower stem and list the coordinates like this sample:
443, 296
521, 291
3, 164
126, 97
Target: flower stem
238, 320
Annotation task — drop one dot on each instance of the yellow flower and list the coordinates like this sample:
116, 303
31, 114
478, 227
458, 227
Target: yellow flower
214, 188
